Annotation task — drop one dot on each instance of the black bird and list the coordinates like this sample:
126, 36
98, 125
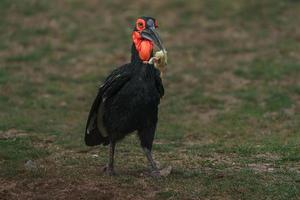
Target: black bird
128, 99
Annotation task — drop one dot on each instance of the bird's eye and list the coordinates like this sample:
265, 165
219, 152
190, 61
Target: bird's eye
140, 24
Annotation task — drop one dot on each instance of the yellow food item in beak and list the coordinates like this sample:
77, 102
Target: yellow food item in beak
160, 60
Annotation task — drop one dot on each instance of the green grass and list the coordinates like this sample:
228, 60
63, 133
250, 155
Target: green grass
228, 124
4, 76
14, 153
35, 55
267, 70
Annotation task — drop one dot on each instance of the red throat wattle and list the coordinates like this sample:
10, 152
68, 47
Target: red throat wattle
144, 47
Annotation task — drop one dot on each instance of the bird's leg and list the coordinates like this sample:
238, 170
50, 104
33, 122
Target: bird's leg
150, 159
111, 156
146, 137
110, 167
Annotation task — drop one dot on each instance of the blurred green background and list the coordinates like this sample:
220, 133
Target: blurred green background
229, 123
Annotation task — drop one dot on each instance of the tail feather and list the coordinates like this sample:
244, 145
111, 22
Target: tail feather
94, 137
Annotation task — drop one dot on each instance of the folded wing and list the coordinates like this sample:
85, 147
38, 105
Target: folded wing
95, 132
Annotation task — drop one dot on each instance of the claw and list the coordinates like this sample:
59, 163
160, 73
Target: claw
155, 173
164, 172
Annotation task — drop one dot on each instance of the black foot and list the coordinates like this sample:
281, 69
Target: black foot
163, 172
155, 173
109, 170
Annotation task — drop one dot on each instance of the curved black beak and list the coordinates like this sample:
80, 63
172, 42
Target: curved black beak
152, 35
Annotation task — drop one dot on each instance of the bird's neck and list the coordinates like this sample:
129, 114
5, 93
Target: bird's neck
135, 58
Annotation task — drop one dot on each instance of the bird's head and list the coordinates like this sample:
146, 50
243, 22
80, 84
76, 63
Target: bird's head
145, 36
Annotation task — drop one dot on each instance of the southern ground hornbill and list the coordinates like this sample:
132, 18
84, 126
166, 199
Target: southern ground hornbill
128, 99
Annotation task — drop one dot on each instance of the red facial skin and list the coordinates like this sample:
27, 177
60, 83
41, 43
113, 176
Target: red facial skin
143, 46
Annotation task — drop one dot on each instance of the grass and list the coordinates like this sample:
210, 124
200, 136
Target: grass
14, 158
228, 124
266, 70
34, 56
